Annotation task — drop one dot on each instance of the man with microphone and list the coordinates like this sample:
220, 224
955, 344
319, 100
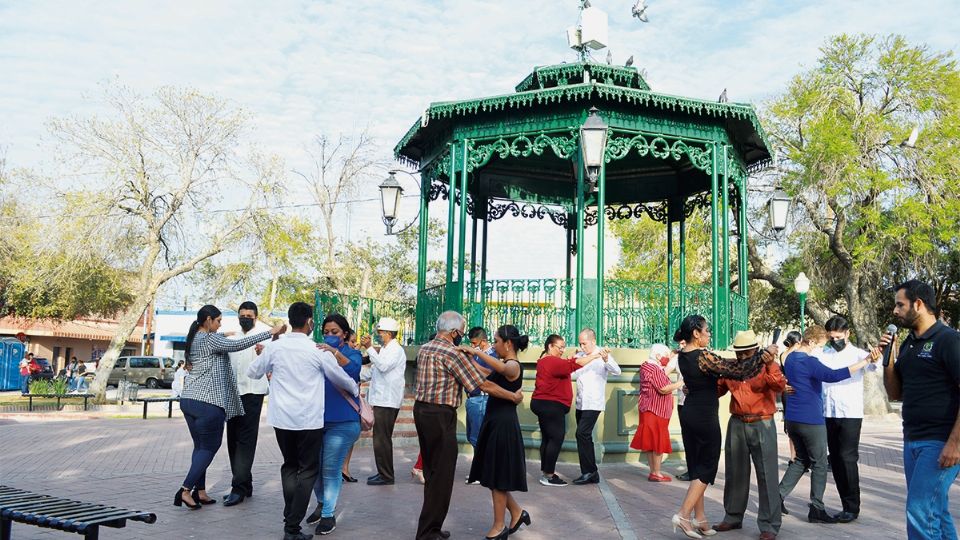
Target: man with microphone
926, 377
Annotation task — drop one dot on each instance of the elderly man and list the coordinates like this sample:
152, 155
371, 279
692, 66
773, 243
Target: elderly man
386, 395
443, 374
591, 399
752, 435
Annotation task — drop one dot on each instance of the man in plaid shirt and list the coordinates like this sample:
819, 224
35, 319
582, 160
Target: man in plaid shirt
443, 374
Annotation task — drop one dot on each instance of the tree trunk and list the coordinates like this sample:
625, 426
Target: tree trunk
863, 321
125, 328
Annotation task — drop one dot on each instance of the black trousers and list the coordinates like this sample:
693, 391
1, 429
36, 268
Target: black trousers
843, 443
242, 443
301, 465
437, 432
384, 419
585, 422
552, 417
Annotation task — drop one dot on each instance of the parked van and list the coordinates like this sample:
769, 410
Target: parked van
150, 371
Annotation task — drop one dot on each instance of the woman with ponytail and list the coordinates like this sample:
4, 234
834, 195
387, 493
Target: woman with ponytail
551, 400
499, 463
210, 396
699, 419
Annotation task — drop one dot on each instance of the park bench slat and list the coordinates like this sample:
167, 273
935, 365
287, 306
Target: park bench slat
91, 519
46, 508
68, 512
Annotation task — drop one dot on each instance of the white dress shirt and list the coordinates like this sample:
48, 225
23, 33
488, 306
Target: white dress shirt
241, 360
296, 385
843, 399
592, 383
386, 375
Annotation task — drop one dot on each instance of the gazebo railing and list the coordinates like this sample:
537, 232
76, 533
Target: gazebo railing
363, 313
635, 313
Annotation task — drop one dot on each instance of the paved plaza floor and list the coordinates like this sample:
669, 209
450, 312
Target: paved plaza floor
139, 464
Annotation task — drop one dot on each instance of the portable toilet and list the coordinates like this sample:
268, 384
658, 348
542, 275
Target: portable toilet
11, 352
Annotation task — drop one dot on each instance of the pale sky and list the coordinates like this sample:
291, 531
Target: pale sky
304, 68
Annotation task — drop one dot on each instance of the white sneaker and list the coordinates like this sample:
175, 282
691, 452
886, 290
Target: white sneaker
552, 481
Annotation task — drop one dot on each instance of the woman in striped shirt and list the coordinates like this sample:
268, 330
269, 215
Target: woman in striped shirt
656, 407
209, 396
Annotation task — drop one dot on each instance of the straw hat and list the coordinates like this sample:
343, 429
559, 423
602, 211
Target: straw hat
745, 340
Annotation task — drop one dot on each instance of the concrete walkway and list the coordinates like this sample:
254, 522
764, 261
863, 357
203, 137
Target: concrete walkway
139, 464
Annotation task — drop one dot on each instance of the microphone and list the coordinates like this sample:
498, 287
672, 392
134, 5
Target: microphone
776, 336
892, 330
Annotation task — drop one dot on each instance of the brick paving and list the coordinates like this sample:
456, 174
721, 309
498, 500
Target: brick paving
139, 464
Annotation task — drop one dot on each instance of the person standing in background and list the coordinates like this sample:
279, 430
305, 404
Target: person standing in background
476, 405
387, 367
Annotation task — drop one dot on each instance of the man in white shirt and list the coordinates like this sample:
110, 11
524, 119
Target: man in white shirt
843, 413
591, 398
297, 370
385, 396
242, 430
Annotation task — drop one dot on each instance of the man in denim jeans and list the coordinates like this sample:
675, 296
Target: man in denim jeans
926, 377
477, 400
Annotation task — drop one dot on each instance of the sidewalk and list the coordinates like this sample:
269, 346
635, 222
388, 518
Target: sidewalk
139, 464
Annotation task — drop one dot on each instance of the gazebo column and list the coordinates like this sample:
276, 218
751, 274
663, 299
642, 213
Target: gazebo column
581, 212
483, 261
451, 230
725, 290
744, 272
669, 333
601, 230
422, 235
473, 297
462, 255
683, 259
719, 338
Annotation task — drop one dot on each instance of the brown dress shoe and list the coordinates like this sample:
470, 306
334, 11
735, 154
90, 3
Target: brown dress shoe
723, 526
768, 536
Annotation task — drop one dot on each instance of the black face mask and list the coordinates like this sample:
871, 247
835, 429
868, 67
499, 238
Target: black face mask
458, 339
246, 323
837, 344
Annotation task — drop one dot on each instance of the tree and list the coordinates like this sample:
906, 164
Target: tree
870, 210
161, 177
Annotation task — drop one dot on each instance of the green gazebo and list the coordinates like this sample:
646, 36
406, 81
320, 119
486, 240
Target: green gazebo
580, 144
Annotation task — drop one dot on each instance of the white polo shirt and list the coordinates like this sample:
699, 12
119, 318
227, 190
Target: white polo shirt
843, 399
241, 360
386, 375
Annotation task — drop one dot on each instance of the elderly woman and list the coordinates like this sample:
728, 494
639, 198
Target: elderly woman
656, 407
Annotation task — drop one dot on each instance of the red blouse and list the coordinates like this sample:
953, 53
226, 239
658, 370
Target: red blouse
652, 378
553, 379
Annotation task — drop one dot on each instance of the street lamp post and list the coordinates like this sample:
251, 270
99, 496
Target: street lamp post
778, 208
593, 142
390, 193
802, 286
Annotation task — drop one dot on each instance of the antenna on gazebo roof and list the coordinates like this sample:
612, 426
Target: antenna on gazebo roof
592, 30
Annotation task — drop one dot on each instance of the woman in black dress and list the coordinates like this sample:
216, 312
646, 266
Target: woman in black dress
699, 420
500, 462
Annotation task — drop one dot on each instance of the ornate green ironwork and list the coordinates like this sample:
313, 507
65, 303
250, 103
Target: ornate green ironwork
523, 146
363, 313
430, 304
740, 312
565, 74
659, 147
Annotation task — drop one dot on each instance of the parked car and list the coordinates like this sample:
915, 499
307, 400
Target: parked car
46, 371
150, 371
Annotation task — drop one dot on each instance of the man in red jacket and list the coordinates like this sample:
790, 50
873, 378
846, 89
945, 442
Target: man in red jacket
752, 435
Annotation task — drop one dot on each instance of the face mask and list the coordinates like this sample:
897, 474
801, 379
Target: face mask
837, 344
333, 341
378, 338
458, 339
246, 323
664, 361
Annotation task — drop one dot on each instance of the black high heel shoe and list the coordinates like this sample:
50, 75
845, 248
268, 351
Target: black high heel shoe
348, 478
195, 495
524, 520
502, 536
178, 501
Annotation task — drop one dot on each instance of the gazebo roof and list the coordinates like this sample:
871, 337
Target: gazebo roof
621, 88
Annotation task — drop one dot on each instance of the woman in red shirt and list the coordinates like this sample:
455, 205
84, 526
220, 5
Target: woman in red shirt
656, 406
552, 396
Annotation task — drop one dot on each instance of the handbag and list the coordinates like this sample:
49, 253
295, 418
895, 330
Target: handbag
363, 409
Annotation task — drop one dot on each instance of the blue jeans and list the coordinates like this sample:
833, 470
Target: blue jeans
338, 439
24, 384
476, 408
205, 422
928, 511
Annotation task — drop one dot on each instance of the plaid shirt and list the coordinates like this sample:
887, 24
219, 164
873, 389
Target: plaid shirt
443, 373
211, 378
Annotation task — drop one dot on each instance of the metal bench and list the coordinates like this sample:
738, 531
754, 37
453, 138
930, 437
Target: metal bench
58, 396
169, 400
61, 514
